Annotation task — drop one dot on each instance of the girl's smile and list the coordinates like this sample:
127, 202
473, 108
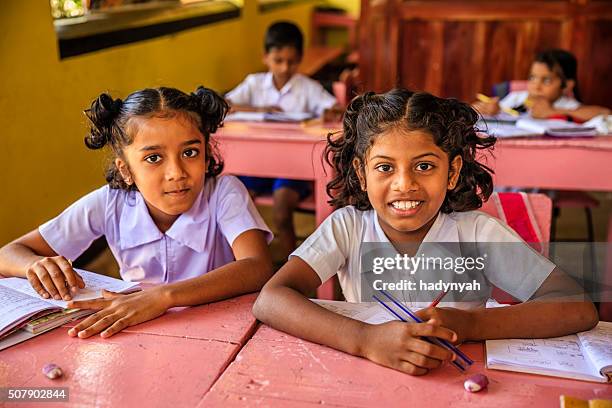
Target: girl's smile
406, 207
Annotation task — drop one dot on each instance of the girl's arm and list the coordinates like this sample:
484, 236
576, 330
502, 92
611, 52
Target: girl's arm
543, 109
283, 305
250, 271
49, 274
558, 308
489, 107
252, 268
586, 112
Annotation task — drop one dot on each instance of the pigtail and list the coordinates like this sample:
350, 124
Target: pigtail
344, 189
475, 183
212, 110
102, 115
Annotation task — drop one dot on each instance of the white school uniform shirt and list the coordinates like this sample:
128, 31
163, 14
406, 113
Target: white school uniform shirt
300, 94
517, 98
199, 240
336, 247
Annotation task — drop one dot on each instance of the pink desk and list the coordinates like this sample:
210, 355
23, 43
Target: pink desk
276, 369
570, 164
171, 360
280, 150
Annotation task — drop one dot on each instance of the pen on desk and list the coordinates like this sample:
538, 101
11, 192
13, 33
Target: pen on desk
438, 299
486, 99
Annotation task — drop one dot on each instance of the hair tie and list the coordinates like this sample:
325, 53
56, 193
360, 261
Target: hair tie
116, 106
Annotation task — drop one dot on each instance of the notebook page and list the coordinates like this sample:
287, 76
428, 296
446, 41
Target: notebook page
348, 309
94, 283
371, 312
555, 127
554, 356
16, 307
597, 345
506, 130
242, 116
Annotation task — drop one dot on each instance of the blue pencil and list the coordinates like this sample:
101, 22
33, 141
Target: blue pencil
414, 317
430, 339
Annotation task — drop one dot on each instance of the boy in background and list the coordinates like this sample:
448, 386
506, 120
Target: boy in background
282, 88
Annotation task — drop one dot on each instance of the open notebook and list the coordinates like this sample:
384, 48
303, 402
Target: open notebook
584, 356
527, 127
366, 312
24, 314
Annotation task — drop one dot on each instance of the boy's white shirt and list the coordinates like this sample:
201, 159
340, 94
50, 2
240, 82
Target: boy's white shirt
335, 248
518, 98
300, 94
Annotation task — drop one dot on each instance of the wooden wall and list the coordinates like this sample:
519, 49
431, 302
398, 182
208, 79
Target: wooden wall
459, 48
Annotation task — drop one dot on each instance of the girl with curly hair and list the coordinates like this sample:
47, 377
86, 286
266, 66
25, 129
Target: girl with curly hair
168, 215
406, 173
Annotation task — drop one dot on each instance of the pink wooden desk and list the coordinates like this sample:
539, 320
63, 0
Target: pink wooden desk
562, 164
276, 369
173, 360
282, 150
566, 164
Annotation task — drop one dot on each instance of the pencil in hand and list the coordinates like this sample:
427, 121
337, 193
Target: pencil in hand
486, 99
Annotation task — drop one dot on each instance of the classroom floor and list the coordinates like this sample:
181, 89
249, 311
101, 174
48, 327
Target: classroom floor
571, 225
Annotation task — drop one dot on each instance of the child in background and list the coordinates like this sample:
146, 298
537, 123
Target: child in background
167, 215
552, 91
406, 172
282, 88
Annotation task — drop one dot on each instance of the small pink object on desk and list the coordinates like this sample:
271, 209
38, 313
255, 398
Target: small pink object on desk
275, 368
169, 361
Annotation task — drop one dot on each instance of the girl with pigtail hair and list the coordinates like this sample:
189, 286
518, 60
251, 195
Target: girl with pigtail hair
167, 213
406, 175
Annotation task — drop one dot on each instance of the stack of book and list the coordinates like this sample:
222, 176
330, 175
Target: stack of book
24, 314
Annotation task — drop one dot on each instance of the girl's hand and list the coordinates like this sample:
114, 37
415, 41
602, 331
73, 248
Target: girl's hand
398, 345
489, 108
54, 277
117, 311
457, 320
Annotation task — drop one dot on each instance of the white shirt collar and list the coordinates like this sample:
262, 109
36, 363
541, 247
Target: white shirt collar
138, 228
444, 229
268, 83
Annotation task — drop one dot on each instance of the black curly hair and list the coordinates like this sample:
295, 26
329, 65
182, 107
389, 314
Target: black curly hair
451, 123
110, 121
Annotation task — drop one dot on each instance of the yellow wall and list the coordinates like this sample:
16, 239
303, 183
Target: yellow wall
45, 165
350, 6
